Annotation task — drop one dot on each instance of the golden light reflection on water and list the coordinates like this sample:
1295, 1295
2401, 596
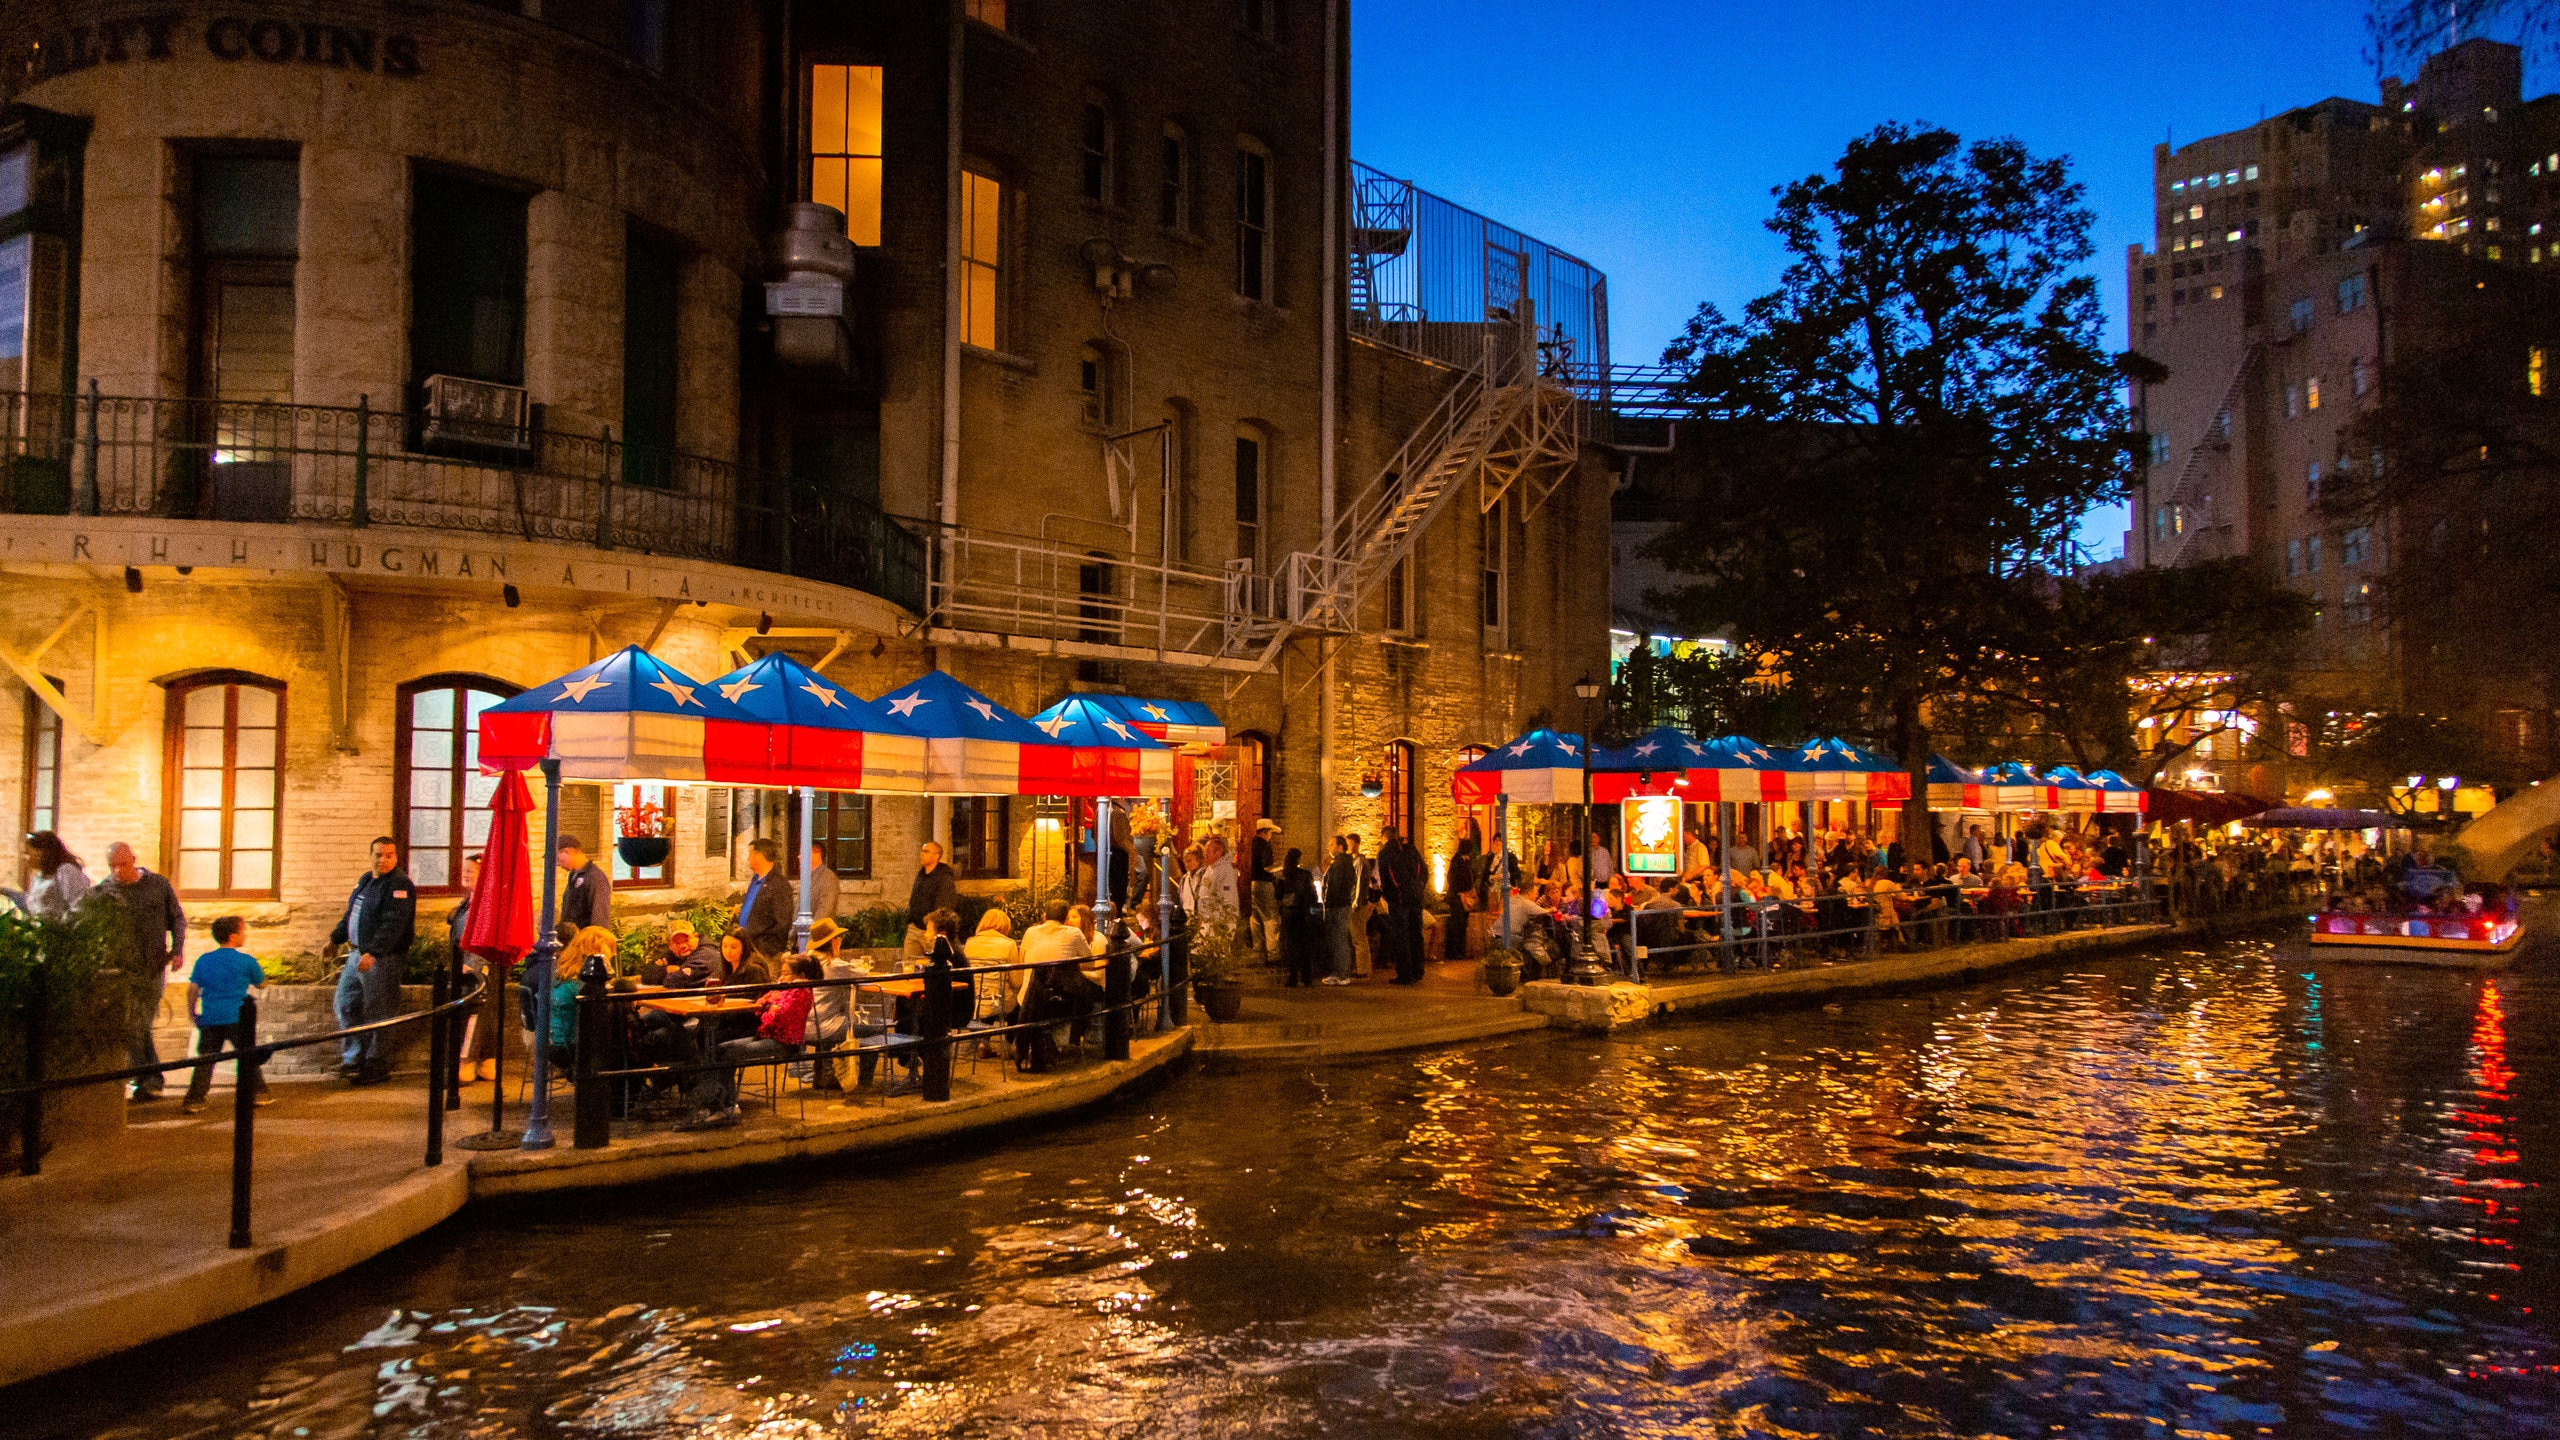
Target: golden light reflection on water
2204, 1194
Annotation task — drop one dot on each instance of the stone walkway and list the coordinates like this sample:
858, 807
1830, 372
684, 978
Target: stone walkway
1371, 1016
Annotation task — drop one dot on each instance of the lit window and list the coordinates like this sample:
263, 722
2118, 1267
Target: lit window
2177, 187
2311, 393
2533, 366
2214, 292
2350, 294
40, 807
222, 779
439, 798
2461, 170
2230, 177
988, 12
2231, 237
2493, 252
844, 144
2358, 607
2195, 212
981, 262
2212, 181
2251, 173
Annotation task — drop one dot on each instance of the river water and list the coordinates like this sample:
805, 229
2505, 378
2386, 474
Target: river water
2198, 1192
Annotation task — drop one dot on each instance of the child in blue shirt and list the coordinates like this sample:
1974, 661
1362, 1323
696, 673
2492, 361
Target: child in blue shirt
222, 978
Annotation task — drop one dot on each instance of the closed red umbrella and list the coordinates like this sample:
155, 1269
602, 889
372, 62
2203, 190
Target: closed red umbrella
500, 929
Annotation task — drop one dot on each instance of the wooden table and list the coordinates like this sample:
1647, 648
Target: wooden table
687, 1005
905, 989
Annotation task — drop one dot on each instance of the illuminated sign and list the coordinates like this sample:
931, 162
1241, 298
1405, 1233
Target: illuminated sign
1649, 835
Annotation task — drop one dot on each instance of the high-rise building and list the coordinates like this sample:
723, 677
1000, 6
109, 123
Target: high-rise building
2291, 261
360, 365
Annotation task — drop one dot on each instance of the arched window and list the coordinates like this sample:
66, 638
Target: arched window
439, 798
1404, 792
222, 779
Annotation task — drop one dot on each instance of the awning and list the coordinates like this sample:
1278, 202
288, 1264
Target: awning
2205, 807
2303, 818
1175, 722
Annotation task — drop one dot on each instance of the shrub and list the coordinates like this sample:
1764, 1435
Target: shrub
85, 989
875, 926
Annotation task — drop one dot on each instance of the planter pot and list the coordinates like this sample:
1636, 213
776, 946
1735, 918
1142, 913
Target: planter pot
1501, 976
642, 852
1223, 1002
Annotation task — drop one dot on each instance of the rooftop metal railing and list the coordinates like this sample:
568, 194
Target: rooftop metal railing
194, 458
1427, 273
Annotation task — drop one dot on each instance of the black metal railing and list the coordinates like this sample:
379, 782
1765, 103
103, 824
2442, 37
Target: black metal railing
359, 465
246, 1047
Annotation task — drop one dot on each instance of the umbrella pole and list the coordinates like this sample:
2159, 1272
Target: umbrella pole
1103, 909
546, 949
808, 835
1502, 876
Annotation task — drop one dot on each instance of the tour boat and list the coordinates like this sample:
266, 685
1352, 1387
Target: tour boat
2483, 940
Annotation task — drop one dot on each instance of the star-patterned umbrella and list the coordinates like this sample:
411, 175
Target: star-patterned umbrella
1953, 787
1662, 761
2072, 790
2117, 795
1110, 756
800, 728
1875, 777
1543, 767
2013, 785
1175, 722
628, 716
973, 746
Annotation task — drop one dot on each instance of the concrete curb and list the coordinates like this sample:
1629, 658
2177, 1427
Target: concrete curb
183, 1295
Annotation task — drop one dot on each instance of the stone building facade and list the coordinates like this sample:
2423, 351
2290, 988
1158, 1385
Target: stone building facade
372, 361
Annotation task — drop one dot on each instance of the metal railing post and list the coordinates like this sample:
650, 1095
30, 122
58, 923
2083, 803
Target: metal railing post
1165, 1019
1115, 992
87, 498
458, 1028
933, 1029
31, 1119
439, 1074
364, 416
243, 1122
592, 1125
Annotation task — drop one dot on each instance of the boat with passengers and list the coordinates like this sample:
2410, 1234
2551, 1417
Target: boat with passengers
2442, 922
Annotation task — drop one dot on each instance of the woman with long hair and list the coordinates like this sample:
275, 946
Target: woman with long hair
55, 879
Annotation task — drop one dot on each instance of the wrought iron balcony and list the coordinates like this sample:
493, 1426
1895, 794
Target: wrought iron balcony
199, 459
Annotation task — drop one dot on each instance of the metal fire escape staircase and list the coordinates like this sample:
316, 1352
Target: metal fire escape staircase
2188, 499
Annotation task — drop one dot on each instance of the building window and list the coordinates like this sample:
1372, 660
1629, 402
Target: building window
1495, 586
40, 798
2359, 379
990, 13
1173, 204
1252, 457
1097, 153
2301, 314
1403, 790
628, 798
2311, 393
1255, 16
2533, 368
2311, 484
652, 267
2355, 545
2292, 557
844, 139
2350, 294
843, 825
1177, 540
2311, 556
2292, 401
248, 211
981, 265
2249, 173
978, 831
1401, 615
2357, 604
466, 280
2159, 449
439, 798
1253, 224
221, 780
1093, 374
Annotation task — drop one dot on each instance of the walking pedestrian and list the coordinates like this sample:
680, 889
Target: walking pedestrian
223, 977
1301, 921
1213, 892
55, 880
1407, 891
155, 942
587, 899
1341, 898
1265, 874
380, 920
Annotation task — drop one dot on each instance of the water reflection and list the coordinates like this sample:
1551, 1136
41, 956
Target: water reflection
2205, 1193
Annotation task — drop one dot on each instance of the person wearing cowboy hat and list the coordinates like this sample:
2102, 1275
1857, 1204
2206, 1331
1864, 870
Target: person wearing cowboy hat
1265, 874
831, 1007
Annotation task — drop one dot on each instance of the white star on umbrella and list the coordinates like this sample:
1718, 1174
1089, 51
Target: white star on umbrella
1157, 712
1813, 751
1647, 748
1116, 728
985, 711
577, 691
1518, 750
1694, 747
682, 694
825, 694
1053, 725
735, 688
905, 705
1565, 745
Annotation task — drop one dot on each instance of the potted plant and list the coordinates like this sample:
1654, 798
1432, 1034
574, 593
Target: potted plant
1501, 969
1217, 969
643, 842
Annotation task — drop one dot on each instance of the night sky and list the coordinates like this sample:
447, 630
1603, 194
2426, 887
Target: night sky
1645, 136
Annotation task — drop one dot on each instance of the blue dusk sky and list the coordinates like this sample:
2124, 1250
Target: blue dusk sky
1645, 136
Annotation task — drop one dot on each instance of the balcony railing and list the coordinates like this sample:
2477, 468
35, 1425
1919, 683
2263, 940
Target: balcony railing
198, 459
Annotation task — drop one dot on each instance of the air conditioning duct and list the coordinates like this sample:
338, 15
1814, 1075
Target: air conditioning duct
807, 305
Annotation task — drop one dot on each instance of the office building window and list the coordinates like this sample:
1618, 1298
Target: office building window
40, 798
1253, 224
845, 144
978, 833
222, 774
1252, 457
1097, 153
1173, 203
466, 280
981, 258
439, 798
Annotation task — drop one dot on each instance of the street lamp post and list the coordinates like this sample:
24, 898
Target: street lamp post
1590, 971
